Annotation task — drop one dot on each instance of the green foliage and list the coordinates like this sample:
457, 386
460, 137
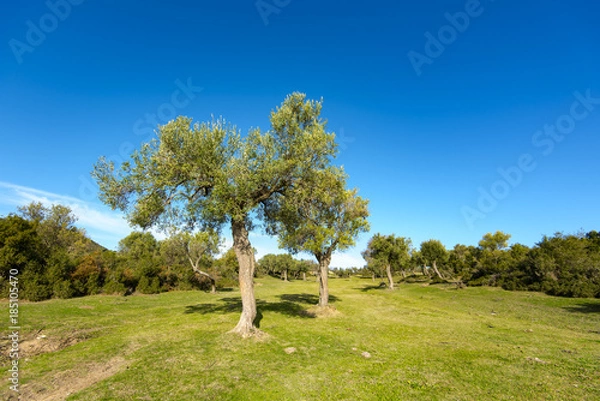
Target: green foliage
63, 289
207, 173
46, 247
433, 251
320, 216
494, 242
34, 284
281, 264
148, 285
114, 287
384, 250
20, 244
426, 343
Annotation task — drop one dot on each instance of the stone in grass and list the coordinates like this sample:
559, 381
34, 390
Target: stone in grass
366, 355
537, 360
290, 350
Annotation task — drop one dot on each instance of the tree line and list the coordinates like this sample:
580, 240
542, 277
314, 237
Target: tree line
563, 265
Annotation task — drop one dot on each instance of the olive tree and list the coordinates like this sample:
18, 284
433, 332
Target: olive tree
208, 174
199, 249
388, 251
320, 216
434, 252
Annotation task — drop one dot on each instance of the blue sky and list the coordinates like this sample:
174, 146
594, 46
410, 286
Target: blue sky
455, 118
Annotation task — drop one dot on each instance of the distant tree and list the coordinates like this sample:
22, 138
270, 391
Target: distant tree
564, 265
320, 217
494, 260
22, 250
88, 276
418, 263
494, 242
139, 251
199, 249
389, 251
304, 266
593, 238
281, 264
227, 265
54, 224
209, 174
434, 252
462, 260
60, 247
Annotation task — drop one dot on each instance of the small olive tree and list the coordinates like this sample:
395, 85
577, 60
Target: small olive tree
320, 217
388, 251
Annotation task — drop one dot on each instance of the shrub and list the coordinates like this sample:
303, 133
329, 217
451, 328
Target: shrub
148, 285
63, 289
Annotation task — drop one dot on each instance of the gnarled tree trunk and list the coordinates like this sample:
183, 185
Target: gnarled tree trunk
324, 262
213, 282
245, 257
435, 269
388, 271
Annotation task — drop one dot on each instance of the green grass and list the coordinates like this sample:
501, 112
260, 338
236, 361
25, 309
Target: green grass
426, 343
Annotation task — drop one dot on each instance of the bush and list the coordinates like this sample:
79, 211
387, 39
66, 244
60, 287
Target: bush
148, 285
63, 289
114, 287
35, 287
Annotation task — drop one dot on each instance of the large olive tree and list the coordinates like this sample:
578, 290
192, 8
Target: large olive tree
208, 174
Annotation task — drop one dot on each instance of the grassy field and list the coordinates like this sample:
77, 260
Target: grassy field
423, 343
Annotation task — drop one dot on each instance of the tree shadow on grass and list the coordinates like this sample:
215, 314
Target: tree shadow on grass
367, 288
309, 299
586, 307
231, 305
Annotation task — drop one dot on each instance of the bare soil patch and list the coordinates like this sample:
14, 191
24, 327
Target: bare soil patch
63, 384
37, 343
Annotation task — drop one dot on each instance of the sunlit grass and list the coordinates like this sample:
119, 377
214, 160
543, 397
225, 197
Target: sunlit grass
425, 343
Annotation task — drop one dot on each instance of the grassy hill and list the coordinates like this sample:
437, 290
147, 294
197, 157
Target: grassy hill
415, 343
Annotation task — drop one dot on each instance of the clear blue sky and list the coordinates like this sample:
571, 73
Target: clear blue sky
421, 143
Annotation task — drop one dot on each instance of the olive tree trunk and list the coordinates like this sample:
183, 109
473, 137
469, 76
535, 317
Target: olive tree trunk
245, 257
324, 280
388, 271
435, 269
